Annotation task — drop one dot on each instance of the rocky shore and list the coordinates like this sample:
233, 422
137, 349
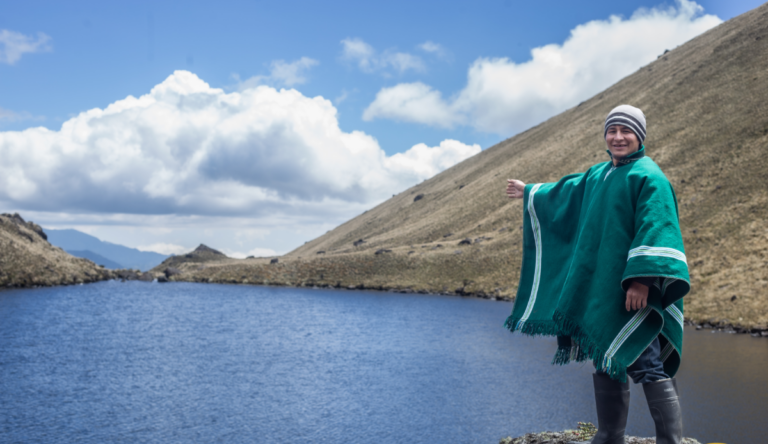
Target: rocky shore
393, 271
584, 432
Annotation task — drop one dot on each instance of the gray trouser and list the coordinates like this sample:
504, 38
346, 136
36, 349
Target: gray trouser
648, 367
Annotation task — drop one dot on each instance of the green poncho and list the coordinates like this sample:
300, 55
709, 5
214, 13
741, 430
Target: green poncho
585, 238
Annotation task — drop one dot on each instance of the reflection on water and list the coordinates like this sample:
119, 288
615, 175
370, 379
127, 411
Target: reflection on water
137, 362
724, 381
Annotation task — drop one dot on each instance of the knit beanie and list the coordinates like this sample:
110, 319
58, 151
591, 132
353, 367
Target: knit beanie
628, 116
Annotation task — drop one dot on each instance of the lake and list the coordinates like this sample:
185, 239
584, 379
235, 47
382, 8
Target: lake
164, 363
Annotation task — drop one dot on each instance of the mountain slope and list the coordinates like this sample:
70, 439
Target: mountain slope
27, 259
73, 241
706, 104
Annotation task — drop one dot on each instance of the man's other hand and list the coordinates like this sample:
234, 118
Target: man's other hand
637, 296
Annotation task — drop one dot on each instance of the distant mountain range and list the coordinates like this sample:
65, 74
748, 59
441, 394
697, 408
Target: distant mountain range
97, 259
112, 256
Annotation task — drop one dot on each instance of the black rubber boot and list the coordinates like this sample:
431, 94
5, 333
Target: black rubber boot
664, 403
612, 401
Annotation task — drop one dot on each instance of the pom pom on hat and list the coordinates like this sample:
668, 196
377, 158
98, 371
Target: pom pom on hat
629, 116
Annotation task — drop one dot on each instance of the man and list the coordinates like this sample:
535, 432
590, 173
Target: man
604, 270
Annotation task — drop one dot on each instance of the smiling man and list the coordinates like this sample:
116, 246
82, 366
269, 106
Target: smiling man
604, 270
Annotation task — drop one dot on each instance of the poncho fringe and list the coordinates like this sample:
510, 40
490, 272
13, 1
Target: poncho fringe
584, 348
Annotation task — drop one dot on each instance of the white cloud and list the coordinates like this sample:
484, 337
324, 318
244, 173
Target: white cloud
281, 73
436, 50
505, 97
13, 44
165, 248
432, 47
341, 97
291, 74
415, 102
188, 149
424, 161
369, 60
403, 61
356, 49
6, 114
13, 116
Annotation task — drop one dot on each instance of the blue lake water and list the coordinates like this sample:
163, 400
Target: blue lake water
165, 363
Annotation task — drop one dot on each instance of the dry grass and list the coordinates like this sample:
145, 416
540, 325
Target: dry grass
706, 104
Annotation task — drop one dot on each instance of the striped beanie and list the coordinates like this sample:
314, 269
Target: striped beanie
628, 116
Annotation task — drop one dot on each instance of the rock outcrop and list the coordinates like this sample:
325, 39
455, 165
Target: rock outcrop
176, 267
584, 432
203, 250
199, 255
28, 260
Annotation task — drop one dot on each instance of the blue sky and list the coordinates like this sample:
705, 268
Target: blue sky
399, 79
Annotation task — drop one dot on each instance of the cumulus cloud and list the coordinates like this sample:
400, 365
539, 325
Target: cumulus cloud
14, 44
369, 60
505, 97
415, 102
188, 149
281, 73
424, 161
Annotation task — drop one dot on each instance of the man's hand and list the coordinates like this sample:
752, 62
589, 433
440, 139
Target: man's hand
515, 189
637, 296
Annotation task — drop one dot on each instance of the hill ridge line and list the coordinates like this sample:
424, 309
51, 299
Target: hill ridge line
706, 103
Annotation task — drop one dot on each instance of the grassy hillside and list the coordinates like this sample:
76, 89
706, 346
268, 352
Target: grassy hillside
706, 104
